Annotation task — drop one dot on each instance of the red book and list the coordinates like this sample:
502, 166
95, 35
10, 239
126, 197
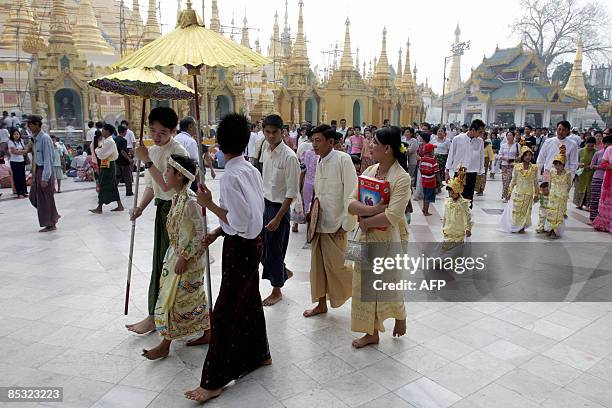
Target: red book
372, 191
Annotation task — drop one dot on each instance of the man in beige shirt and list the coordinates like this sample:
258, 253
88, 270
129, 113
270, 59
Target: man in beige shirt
162, 128
334, 186
280, 173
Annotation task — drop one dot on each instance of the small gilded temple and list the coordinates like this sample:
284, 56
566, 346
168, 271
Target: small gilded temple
510, 87
50, 49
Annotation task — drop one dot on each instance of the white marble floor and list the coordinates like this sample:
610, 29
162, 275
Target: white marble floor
62, 324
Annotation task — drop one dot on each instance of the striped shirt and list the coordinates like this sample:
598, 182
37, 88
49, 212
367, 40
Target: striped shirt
429, 168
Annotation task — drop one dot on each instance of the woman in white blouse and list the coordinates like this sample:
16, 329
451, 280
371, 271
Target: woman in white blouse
18, 149
507, 153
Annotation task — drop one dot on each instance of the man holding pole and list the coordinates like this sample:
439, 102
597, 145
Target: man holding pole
162, 128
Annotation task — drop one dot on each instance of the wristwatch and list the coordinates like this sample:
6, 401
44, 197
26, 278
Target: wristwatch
148, 165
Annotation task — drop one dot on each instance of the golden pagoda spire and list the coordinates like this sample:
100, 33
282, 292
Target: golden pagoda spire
87, 35
215, 23
300, 54
357, 66
60, 36
286, 34
275, 50
363, 74
454, 77
178, 9
382, 67
257, 46
232, 24
407, 79
398, 77
414, 78
20, 17
575, 84
346, 62
152, 30
136, 28
426, 90
244, 40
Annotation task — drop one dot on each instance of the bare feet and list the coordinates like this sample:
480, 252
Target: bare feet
426, 214
96, 211
267, 362
553, 235
366, 340
119, 208
294, 228
274, 297
289, 274
161, 351
522, 231
146, 325
400, 328
202, 395
203, 339
319, 309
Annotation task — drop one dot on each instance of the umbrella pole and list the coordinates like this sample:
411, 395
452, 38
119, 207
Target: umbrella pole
194, 72
129, 274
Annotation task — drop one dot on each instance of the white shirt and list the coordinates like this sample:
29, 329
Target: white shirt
188, 143
442, 146
8, 122
251, 147
334, 185
19, 145
130, 137
159, 155
78, 161
575, 138
342, 131
281, 173
4, 136
91, 133
508, 152
15, 121
241, 194
550, 149
107, 150
466, 152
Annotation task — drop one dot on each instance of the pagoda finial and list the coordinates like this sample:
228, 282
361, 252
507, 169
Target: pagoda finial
407, 78
575, 85
346, 63
232, 24
382, 67
454, 77
257, 46
286, 26
136, 27
215, 23
398, 76
244, 40
178, 9
275, 50
357, 60
152, 30
87, 35
363, 74
457, 32
299, 48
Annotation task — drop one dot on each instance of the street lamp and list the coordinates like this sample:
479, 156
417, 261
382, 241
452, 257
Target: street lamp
457, 49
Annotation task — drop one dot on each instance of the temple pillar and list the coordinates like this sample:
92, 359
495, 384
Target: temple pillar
546, 118
52, 119
518, 115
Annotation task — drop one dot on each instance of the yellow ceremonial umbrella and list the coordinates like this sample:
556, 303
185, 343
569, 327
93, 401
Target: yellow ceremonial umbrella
193, 46
146, 83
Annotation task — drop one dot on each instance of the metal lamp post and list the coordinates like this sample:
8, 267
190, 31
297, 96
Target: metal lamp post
457, 49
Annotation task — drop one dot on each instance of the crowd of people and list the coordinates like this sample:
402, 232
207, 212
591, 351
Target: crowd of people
277, 177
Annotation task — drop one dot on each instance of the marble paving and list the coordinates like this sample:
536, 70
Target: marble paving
61, 313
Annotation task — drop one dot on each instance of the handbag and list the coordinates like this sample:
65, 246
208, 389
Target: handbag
354, 247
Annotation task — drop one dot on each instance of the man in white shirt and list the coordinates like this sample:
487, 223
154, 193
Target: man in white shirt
334, 185
281, 172
239, 343
550, 149
130, 137
162, 128
254, 137
342, 129
91, 133
15, 121
187, 137
6, 119
467, 150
